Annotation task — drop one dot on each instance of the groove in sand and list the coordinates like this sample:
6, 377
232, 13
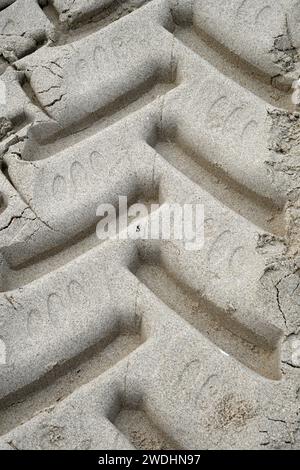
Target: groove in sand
231, 65
122, 107
137, 426
65, 378
90, 22
52, 260
213, 179
227, 333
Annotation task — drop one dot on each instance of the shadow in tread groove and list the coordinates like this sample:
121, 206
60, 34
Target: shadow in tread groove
227, 62
82, 24
252, 350
213, 179
5, 4
139, 428
65, 378
18, 276
3, 203
120, 108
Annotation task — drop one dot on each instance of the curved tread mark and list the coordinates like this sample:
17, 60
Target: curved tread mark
35, 323
55, 308
83, 72
214, 118
96, 162
240, 7
262, 12
213, 256
78, 175
251, 126
77, 293
59, 186
235, 256
231, 117
9, 24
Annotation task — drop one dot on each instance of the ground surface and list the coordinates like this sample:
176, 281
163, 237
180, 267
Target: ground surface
125, 344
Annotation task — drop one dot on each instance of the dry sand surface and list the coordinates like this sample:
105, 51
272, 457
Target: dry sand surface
132, 343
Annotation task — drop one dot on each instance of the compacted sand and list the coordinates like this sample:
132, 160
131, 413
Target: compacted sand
129, 343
